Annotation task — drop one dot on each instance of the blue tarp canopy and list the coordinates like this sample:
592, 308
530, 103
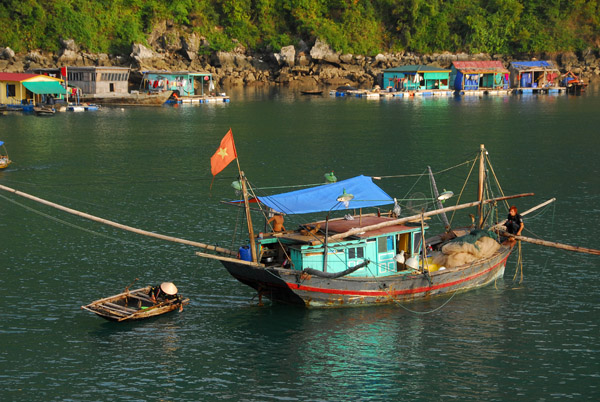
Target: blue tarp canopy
524, 65
324, 198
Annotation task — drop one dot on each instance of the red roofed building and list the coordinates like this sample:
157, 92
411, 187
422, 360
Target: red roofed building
23, 88
479, 75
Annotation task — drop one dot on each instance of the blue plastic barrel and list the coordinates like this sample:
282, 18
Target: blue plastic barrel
245, 253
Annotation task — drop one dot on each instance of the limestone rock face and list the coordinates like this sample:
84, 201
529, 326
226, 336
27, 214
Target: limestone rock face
322, 51
7, 53
287, 56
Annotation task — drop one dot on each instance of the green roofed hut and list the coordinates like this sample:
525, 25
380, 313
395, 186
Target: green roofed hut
187, 87
417, 80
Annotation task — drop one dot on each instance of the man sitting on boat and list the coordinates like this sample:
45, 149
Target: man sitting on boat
277, 220
514, 222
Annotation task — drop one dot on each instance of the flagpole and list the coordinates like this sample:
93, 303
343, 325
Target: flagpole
247, 208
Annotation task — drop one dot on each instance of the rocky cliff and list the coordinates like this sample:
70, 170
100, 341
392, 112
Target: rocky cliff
300, 66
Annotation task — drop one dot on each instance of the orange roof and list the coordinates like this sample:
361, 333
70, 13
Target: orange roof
16, 76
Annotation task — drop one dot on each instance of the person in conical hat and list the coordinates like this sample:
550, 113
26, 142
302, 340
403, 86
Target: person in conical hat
166, 291
169, 288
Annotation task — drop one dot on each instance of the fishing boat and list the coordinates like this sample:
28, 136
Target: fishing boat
573, 83
4, 159
365, 258
311, 92
133, 305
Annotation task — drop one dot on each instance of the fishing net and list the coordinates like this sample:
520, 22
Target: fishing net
466, 249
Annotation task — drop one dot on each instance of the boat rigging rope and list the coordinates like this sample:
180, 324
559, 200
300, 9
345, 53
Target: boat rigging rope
82, 228
410, 310
421, 174
463, 188
519, 264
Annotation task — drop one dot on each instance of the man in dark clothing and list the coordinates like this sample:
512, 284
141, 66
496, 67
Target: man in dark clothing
514, 222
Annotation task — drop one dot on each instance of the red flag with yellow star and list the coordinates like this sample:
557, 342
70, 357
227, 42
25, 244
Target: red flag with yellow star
224, 155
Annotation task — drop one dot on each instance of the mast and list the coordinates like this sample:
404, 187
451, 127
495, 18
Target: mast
248, 217
481, 182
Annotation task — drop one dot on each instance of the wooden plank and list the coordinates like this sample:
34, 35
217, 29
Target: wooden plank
127, 310
350, 232
553, 244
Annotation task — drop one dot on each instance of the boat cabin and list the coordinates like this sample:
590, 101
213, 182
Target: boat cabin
326, 245
306, 250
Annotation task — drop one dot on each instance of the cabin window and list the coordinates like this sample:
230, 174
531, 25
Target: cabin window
356, 252
11, 90
417, 243
385, 244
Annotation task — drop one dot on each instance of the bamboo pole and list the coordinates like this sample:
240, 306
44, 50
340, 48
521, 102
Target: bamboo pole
351, 232
118, 225
552, 244
480, 186
530, 210
236, 260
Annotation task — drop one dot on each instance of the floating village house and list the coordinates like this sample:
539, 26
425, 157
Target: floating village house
93, 80
530, 76
479, 75
416, 78
182, 83
28, 89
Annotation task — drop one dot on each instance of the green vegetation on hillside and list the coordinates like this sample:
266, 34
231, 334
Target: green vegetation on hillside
351, 26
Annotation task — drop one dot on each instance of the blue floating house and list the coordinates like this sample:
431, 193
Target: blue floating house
529, 76
416, 78
479, 75
183, 83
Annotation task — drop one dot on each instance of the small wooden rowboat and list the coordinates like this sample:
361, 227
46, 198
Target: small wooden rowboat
132, 305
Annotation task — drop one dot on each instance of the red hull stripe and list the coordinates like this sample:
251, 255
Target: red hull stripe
374, 293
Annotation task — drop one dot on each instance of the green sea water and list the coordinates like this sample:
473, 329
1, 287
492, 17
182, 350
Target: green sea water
535, 340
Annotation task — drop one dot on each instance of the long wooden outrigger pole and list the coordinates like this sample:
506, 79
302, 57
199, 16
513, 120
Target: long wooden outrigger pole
118, 225
400, 221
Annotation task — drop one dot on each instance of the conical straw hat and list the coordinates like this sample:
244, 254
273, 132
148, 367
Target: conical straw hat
169, 288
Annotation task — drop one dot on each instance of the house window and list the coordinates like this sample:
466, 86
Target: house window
11, 90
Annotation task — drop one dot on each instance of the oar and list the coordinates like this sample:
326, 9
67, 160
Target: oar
552, 244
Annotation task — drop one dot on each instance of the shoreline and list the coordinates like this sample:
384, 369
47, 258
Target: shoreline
297, 67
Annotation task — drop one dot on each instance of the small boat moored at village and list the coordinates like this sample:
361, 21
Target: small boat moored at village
135, 304
44, 110
4, 159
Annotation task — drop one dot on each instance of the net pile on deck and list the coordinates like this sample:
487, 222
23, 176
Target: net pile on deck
468, 248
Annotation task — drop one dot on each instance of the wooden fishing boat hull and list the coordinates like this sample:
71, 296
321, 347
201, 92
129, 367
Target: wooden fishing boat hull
290, 286
44, 111
132, 305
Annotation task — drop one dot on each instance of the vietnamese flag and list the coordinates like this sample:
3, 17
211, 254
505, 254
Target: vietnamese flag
224, 155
